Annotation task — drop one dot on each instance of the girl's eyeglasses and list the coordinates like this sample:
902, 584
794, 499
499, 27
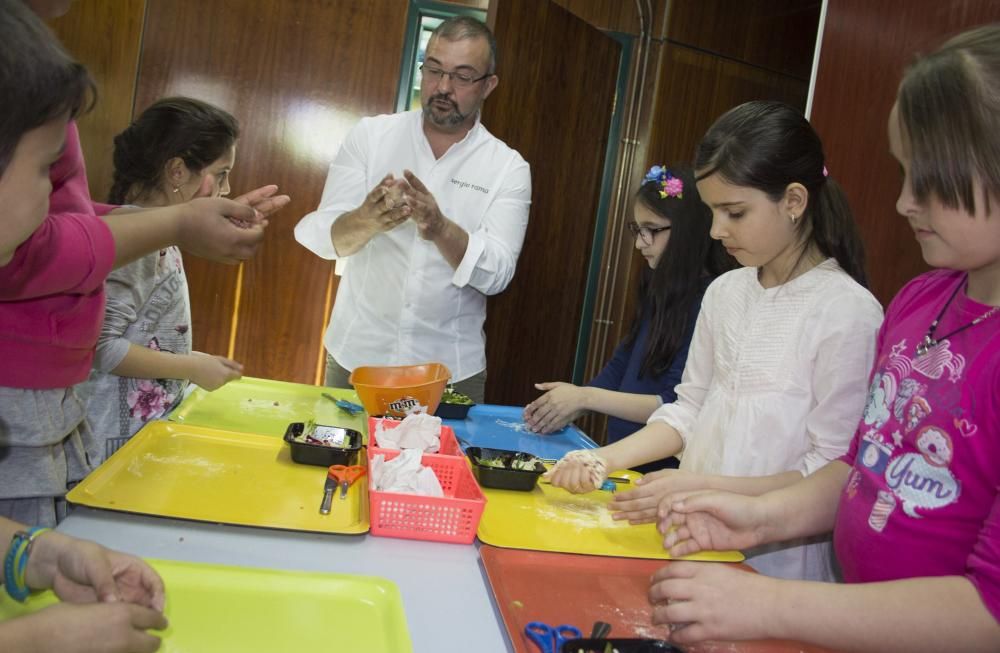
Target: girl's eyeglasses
646, 233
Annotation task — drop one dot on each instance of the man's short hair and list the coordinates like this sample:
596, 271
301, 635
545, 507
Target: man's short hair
458, 28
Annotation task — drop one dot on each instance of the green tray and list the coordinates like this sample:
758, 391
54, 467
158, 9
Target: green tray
221, 608
267, 407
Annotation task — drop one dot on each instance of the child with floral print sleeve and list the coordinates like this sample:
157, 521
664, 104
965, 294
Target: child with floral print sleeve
178, 148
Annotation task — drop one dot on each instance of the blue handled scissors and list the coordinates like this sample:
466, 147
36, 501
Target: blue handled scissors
549, 639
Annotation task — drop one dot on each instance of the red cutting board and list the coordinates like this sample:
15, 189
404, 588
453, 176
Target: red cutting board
565, 588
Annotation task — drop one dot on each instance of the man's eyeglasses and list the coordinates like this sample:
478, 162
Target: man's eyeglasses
460, 80
646, 233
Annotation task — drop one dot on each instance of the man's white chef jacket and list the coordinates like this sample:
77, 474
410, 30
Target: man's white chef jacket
399, 302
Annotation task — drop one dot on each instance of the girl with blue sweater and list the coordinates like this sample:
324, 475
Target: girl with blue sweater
670, 229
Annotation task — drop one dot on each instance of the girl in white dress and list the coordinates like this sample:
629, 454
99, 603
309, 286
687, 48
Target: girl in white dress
777, 371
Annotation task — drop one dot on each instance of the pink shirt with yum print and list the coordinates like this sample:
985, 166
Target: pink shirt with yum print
922, 497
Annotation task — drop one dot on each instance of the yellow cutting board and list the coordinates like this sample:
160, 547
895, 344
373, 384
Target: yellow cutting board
267, 407
221, 608
191, 472
553, 519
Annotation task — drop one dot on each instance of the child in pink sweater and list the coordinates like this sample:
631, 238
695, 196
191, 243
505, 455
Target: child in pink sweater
109, 598
55, 254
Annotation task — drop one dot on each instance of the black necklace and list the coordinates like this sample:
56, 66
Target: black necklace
929, 341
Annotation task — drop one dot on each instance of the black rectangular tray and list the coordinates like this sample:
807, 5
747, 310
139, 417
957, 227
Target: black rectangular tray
523, 480
307, 453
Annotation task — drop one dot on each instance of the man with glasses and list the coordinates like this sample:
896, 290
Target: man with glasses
430, 209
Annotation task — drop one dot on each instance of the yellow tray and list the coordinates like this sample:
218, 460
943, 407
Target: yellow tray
220, 608
192, 472
267, 407
552, 519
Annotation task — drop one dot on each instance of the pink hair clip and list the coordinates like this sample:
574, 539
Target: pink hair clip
670, 186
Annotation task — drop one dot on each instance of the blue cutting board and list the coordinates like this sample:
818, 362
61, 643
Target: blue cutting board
503, 427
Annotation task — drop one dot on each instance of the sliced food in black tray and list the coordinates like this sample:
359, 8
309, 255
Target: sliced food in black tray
505, 469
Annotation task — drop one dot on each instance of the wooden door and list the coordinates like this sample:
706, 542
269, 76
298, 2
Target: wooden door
298, 75
866, 46
554, 105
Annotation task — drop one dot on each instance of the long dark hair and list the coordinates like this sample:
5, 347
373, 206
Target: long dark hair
39, 81
769, 145
195, 131
690, 260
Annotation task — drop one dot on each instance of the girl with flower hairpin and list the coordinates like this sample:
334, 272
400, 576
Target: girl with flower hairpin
776, 370
670, 229
914, 506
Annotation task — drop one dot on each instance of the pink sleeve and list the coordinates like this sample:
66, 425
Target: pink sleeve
984, 563
102, 209
68, 253
983, 568
73, 250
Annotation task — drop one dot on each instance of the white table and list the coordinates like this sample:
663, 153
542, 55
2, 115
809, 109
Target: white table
447, 599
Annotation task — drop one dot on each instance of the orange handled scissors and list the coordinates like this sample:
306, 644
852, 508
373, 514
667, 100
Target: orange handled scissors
345, 476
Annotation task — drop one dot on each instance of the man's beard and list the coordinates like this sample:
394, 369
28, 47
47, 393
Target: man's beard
450, 119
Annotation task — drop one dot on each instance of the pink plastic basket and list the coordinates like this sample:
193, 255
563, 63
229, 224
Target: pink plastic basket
449, 443
451, 518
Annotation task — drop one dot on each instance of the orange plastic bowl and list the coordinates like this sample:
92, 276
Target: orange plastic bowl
395, 390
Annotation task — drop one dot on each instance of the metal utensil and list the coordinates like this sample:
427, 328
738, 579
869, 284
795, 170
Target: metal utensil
329, 487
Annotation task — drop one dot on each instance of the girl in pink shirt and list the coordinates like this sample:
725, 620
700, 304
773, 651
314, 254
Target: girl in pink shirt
914, 504
56, 250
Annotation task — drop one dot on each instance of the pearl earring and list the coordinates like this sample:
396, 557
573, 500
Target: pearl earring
793, 218
177, 189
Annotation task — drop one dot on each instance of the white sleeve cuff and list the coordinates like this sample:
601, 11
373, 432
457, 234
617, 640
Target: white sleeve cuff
313, 232
475, 249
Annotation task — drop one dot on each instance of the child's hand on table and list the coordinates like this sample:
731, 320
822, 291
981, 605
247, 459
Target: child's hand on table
708, 600
561, 404
578, 471
710, 521
91, 628
641, 505
212, 372
80, 571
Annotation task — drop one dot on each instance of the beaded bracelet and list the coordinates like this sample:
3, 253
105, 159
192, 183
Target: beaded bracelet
16, 563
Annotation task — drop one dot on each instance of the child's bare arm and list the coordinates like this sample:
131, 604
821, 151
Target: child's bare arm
203, 227
713, 601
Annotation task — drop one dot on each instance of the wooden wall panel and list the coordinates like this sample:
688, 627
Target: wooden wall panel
104, 35
866, 46
618, 15
696, 87
556, 111
777, 35
298, 75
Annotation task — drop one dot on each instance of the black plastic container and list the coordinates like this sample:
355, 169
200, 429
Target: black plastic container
621, 645
504, 478
453, 411
318, 454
